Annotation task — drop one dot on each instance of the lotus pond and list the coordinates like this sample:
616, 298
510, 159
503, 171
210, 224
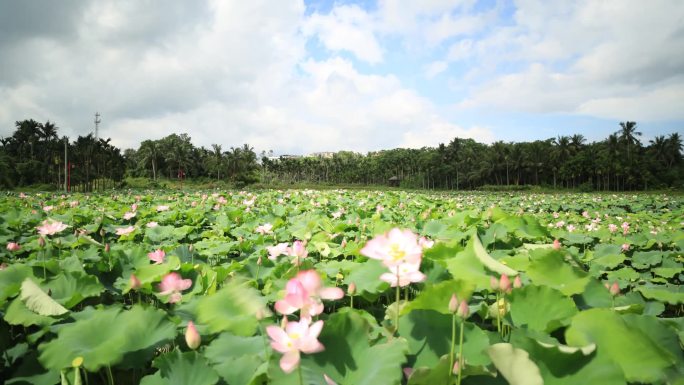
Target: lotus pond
341, 287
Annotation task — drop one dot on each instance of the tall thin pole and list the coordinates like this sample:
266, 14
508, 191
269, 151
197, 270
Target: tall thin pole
97, 124
66, 141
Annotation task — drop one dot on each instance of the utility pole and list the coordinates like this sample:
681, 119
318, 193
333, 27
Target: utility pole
97, 124
66, 145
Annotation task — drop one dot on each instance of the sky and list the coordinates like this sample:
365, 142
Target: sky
297, 77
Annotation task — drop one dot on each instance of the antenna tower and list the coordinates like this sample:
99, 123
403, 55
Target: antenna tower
97, 124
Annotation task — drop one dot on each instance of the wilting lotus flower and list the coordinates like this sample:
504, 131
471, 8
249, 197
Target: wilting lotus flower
275, 251
125, 230
157, 256
394, 248
172, 284
192, 337
264, 229
403, 274
51, 227
129, 215
296, 337
13, 246
305, 292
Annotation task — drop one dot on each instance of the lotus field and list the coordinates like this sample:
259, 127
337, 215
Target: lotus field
341, 287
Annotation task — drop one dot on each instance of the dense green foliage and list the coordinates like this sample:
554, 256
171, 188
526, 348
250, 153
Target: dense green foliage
71, 311
34, 154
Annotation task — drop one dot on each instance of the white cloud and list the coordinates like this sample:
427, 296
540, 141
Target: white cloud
346, 28
435, 68
604, 59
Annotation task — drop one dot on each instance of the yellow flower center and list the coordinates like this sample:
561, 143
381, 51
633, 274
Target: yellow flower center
396, 252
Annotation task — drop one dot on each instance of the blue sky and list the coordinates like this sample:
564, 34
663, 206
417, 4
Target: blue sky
297, 76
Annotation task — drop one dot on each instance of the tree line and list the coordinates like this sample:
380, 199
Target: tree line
34, 154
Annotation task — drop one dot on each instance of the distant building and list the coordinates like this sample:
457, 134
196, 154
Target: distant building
326, 154
286, 156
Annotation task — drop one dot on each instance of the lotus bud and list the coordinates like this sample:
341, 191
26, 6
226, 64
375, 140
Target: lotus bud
463, 310
192, 338
13, 246
102, 232
191, 248
41, 242
107, 248
556, 244
504, 283
453, 304
493, 283
260, 314
259, 261
456, 368
517, 283
614, 289
351, 290
283, 323
134, 282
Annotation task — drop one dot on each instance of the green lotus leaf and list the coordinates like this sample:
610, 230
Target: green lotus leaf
238, 360
105, 336
436, 297
11, 279
176, 368
540, 308
489, 262
672, 294
515, 365
640, 353
548, 267
233, 308
38, 301
69, 289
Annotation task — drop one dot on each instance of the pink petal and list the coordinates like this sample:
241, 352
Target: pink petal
331, 293
310, 280
284, 307
289, 361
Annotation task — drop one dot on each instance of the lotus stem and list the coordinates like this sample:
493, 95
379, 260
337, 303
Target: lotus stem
460, 353
453, 343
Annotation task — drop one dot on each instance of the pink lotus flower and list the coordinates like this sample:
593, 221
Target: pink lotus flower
134, 207
275, 251
134, 282
394, 248
505, 283
294, 338
151, 224
264, 229
157, 256
556, 244
129, 215
172, 284
625, 247
161, 208
298, 250
192, 337
305, 292
51, 227
570, 228
625, 228
13, 246
612, 228
125, 230
47, 209
403, 274
425, 243
73, 204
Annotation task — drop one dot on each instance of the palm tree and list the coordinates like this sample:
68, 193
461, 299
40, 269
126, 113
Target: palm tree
149, 153
217, 159
674, 149
628, 135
